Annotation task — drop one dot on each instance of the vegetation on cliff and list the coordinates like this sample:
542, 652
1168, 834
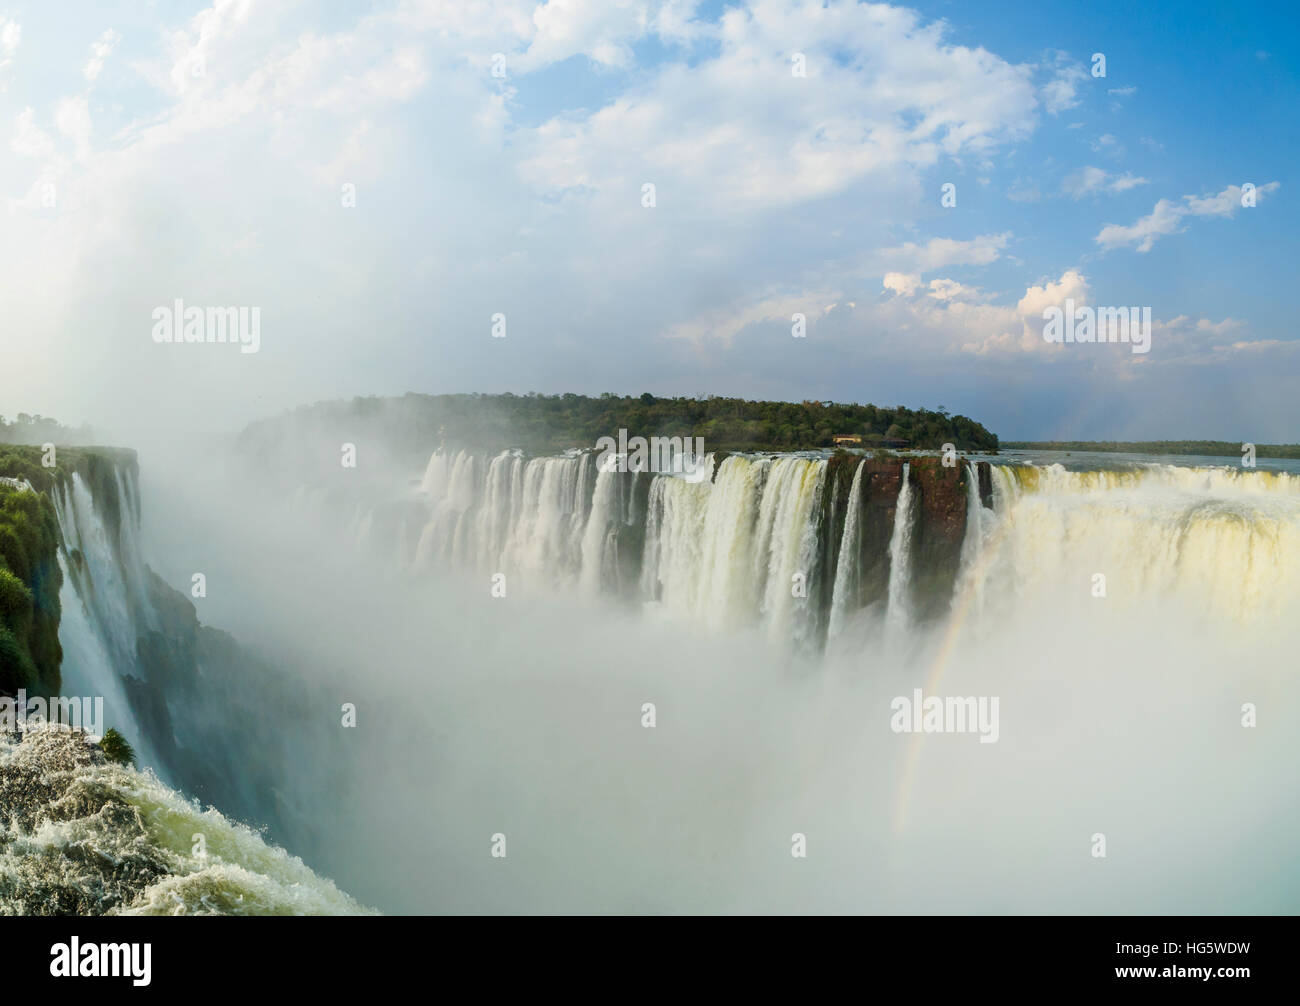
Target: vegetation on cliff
30, 578
116, 748
30, 654
548, 423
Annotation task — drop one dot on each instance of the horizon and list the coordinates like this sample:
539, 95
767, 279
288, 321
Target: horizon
282, 412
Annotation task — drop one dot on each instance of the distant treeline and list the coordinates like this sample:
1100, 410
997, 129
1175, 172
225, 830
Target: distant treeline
1205, 448
27, 429
545, 423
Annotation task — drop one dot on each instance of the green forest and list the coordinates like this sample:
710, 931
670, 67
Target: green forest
1202, 448
547, 423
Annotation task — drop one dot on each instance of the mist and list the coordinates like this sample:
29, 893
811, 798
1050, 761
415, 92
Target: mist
522, 716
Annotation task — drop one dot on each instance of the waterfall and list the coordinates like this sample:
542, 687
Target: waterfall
88, 668
789, 599
598, 536
1222, 541
106, 585
712, 563
104, 601
898, 613
649, 585
978, 526
746, 549
847, 569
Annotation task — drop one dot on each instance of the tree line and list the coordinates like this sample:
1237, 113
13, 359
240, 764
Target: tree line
1204, 448
547, 423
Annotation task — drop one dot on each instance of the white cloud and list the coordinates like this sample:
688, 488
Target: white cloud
210, 32
903, 284
1168, 217
1092, 180
776, 195
601, 30
947, 289
885, 97
29, 139
1204, 342
1062, 91
723, 324
11, 34
99, 53
940, 253
961, 318
72, 117
1107, 143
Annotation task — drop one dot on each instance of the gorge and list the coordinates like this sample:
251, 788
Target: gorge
773, 610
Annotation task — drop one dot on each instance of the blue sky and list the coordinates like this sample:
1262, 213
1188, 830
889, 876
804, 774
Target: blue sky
172, 150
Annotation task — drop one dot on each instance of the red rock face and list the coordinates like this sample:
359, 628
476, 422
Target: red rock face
881, 484
938, 530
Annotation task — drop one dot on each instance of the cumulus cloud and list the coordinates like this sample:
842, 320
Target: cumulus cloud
776, 194
901, 283
744, 129
963, 318
603, 32
1169, 217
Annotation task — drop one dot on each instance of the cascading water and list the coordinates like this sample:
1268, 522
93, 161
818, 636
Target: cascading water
847, 568
1221, 540
104, 602
745, 548
105, 839
597, 537
87, 667
898, 613
979, 525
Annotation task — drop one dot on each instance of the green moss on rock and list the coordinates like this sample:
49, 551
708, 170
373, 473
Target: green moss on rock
30, 654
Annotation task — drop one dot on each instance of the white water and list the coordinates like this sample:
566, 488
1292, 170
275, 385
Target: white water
44, 846
728, 553
1225, 542
104, 605
87, 668
1119, 715
847, 566
979, 525
741, 551
597, 537
898, 614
